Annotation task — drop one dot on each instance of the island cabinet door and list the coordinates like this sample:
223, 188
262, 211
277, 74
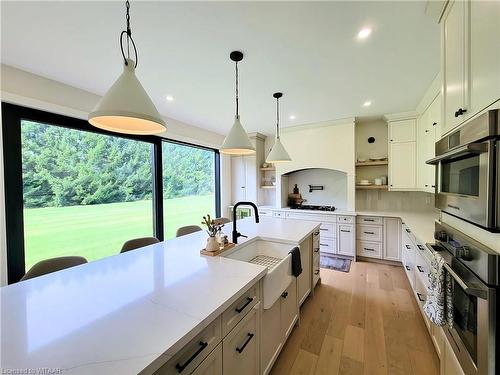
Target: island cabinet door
272, 337
212, 365
289, 308
305, 278
240, 348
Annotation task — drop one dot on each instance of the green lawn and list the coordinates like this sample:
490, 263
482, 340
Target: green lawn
96, 231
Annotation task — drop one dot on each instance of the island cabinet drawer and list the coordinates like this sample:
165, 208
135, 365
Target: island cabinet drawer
240, 349
239, 309
212, 365
316, 238
369, 249
328, 230
327, 246
374, 220
191, 355
369, 232
345, 219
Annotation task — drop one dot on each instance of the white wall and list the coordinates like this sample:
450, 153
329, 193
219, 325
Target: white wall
333, 182
30, 90
329, 145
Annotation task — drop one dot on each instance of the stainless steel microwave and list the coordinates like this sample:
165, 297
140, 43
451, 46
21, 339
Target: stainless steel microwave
467, 172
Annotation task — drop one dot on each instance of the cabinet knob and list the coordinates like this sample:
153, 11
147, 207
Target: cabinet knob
426, 185
390, 140
427, 130
434, 123
284, 294
460, 112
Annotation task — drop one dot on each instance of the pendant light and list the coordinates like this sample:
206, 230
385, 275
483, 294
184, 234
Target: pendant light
126, 107
237, 141
278, 153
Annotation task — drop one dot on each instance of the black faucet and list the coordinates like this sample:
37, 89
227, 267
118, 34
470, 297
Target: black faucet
237, 234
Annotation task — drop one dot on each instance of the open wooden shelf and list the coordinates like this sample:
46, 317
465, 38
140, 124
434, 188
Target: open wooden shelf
372, 187
371, 163
268, 169
268, 187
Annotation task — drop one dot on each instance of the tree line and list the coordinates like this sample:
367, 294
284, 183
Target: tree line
66, 167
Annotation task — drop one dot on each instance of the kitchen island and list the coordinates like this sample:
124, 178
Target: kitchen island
130, 312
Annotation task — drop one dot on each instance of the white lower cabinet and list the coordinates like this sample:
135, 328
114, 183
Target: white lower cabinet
304, 280
449, 361
212, 365
277, 324
346, 239
392, 239
240, 348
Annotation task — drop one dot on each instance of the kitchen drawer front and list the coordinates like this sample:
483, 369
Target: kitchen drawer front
239, 309
422, 269
212, 365
316, 248
371, 220
315, 275
328, 230
279, 214
240, 349
345, 219
320, 218
372, 233
191, 355
328, 246
369, 249
265, 212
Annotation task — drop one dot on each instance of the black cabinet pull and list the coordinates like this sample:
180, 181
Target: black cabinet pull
427, 130
345, 231
460, 112
433, 186
323, 229
322, 244
408, 246
420, 268
249, 337
368, 220
284, 294
407, 268
434, 123
369, 233
421, 247
249, 300
420, 297
407, 230
316, 233
181, 368
316, 272
368, 249
316, 249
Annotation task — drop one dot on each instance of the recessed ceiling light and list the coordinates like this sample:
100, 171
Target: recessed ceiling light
170, 98
292, 117
364, 33
367, 103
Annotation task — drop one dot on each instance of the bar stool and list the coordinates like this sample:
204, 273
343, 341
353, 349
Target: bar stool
52, 265
188, 229
138, 242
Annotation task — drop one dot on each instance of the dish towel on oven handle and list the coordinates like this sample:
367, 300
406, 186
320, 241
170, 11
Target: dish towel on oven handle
439, 304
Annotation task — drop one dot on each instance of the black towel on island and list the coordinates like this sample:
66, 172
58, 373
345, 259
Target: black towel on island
296, 263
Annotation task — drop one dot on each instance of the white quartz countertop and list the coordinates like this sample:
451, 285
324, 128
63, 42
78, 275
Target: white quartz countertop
120, 314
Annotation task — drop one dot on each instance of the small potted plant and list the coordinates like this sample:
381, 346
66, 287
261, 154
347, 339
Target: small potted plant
213, 228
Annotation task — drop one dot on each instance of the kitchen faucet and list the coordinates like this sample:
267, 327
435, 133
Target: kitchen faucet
237, 234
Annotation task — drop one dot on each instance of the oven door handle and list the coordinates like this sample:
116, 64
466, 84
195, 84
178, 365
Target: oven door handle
469, 289
471, 148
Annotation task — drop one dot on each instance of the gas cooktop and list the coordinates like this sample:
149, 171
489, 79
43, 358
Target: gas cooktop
314, 208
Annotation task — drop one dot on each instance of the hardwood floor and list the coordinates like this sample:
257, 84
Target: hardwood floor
362, 322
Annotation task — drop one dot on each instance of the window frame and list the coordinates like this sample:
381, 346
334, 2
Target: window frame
12, 115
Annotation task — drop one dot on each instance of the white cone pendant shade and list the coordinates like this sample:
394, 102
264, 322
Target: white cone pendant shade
237, 141
127, 108
278, 153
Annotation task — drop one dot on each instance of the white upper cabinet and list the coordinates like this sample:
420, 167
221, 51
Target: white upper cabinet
470, 36
402, 155
485, 53
428, 133
402, 131
455, 69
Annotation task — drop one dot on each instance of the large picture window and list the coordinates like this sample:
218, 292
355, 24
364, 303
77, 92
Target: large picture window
71, 189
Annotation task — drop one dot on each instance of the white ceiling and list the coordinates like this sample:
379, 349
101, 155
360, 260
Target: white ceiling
308, 50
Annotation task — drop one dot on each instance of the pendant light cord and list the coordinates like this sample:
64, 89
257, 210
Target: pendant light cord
277, 118
237, 94
128, 34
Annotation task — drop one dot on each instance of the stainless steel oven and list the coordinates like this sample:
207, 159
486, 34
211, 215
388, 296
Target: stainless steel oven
467, 176
474, 274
